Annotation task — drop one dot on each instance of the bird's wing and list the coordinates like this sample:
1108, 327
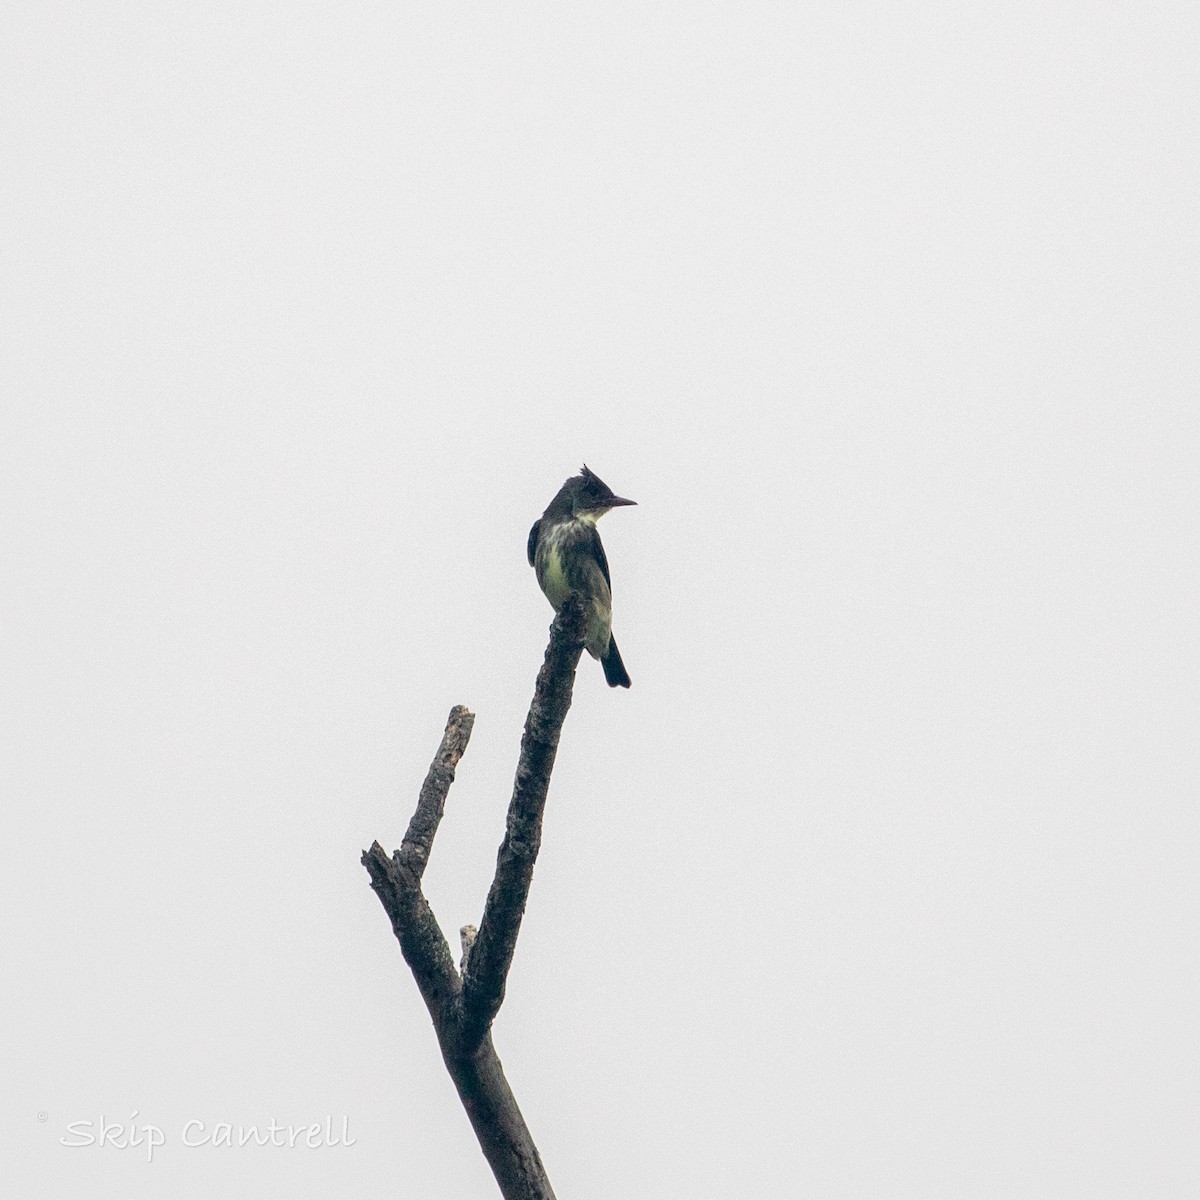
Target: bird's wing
531, 546
597, 548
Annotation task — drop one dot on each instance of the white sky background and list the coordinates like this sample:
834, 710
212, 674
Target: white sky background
881, 881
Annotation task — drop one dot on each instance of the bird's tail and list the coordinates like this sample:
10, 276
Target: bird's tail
614, 668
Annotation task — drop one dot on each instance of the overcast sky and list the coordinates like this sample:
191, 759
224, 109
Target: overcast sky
881, 881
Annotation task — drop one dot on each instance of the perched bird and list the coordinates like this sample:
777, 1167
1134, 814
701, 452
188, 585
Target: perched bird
565, 551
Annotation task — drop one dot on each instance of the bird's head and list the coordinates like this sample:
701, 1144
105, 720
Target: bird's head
591, 497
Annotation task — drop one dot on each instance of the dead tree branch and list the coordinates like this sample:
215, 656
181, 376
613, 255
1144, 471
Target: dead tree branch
463, 1007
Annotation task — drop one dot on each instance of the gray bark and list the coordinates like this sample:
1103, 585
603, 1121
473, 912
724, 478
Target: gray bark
464, 1006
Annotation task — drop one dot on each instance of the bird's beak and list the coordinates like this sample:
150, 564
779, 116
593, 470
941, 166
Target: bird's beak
618, 501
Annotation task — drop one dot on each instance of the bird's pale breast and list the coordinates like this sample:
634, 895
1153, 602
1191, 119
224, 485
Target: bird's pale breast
558, 580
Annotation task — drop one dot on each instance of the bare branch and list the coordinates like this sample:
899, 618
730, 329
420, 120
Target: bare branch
397, 880
463, 1014
492, 951
416, 929
414, 850
503, 1135
467, 936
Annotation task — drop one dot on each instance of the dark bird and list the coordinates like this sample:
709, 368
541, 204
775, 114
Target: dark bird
566, 552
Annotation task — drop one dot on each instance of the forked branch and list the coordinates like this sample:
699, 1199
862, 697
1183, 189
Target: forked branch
464, 1007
